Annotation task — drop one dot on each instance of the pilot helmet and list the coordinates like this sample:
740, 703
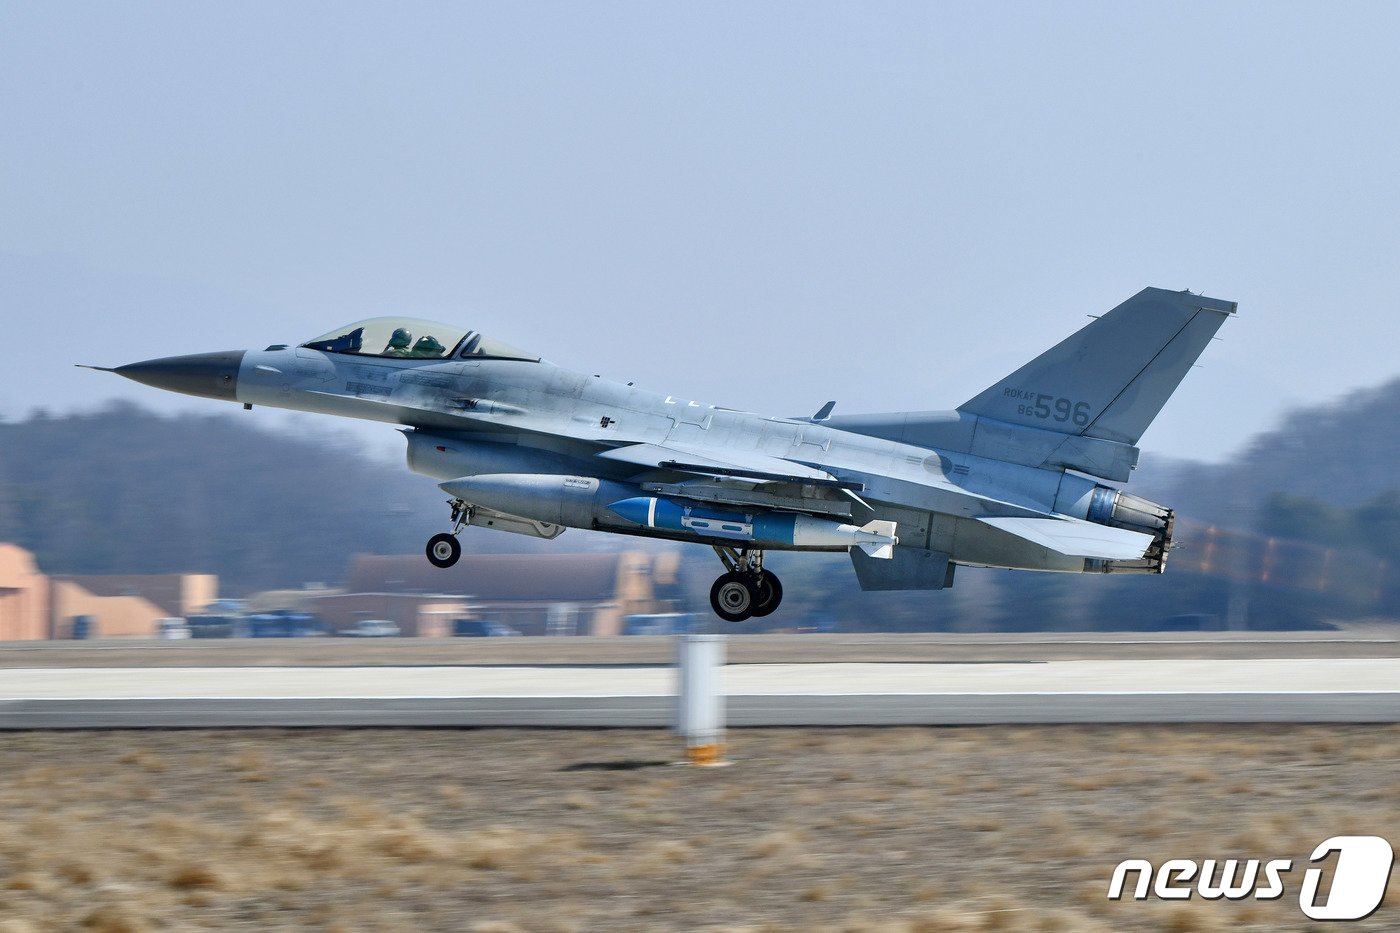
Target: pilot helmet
400, 339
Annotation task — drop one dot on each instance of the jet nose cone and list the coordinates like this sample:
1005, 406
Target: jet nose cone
210, 375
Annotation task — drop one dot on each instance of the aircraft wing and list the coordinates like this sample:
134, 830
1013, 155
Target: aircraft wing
745, 465
1075, 538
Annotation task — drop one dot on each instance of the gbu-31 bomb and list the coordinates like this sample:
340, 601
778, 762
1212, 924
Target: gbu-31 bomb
588, 502
773, 529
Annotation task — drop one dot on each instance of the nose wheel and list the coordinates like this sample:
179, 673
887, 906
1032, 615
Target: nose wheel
745, 590
444, 549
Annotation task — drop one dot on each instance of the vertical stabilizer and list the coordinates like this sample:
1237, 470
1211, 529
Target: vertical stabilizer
1111, 378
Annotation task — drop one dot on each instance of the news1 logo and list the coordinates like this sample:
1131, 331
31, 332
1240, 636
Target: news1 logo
1358, 881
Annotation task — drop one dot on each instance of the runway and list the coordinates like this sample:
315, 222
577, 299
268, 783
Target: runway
814, 694
1375, 641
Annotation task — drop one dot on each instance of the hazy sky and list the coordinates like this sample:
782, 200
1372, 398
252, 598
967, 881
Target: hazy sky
756, 205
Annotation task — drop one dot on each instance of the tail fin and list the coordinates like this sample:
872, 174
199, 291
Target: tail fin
1111, 378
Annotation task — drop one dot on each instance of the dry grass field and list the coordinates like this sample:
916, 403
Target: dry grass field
900, 830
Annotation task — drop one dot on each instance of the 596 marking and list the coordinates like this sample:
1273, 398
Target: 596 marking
1054, 408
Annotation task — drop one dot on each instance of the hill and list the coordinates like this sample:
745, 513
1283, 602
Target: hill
1342, 453
122, 490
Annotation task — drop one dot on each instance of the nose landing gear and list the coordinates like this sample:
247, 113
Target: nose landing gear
745, 590
444, 549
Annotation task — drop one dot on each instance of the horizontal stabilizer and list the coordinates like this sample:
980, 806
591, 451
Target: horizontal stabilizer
1075, 538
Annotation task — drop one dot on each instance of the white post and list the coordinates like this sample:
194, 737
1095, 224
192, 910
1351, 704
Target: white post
699, 698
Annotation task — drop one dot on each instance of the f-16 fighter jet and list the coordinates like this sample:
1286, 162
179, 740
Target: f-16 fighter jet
1017, 477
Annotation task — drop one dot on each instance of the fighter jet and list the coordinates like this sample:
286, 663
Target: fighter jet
1019, 476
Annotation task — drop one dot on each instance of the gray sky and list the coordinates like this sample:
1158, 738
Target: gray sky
755, 205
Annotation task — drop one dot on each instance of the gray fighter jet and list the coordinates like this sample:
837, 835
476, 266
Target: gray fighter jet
1015, 477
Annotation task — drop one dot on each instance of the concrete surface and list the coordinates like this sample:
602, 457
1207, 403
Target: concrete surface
1259, 690
1373, 641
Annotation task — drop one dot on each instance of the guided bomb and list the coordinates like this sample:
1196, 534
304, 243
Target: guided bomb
762, 528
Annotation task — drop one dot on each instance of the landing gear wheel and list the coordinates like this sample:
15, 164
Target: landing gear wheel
443, 550
770, 594
733, 597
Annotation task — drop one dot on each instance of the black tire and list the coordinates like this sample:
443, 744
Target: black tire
770, 594
733, 597
443, 550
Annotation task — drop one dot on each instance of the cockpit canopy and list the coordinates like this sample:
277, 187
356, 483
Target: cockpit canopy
412, 339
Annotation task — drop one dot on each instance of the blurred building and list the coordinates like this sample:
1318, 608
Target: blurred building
303, 599
24, 596
34, 605
421, 615
536, 594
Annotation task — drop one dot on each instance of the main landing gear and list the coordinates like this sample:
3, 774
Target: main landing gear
444, 549
746, 590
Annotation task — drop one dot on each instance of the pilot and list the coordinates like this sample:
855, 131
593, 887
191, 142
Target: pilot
399, 343
428, 346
